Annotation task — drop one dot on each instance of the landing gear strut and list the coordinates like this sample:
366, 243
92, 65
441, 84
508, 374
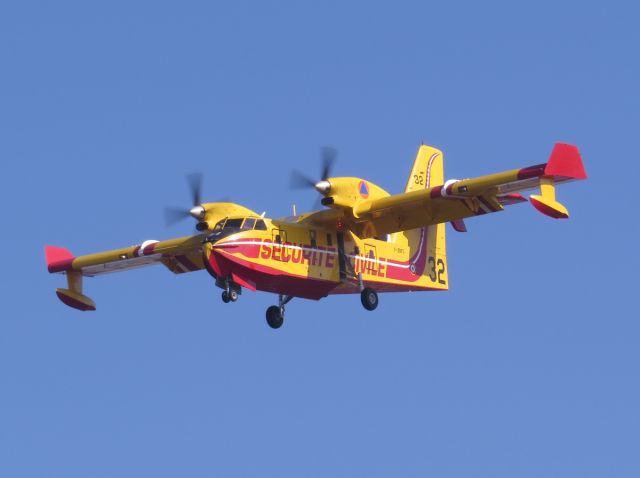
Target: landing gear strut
275, 313
230, 292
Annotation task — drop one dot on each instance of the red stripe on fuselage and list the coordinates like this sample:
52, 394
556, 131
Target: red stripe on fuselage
412, 269
269, 279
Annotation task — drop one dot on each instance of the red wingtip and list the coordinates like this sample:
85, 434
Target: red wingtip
565, 161
58, 259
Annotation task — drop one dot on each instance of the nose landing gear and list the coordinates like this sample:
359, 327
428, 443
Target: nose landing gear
230, 296
230, 290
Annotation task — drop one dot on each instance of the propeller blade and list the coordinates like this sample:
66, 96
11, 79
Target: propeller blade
300, 181
195, 186
173, 215
329, 155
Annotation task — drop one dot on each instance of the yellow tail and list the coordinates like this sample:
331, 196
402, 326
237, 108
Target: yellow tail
428, 171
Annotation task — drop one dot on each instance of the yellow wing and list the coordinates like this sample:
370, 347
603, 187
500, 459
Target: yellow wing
179, 255
458, 199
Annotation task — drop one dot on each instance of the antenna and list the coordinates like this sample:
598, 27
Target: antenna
294, 210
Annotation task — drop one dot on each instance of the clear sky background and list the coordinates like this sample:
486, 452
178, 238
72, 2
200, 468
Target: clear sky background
528, 366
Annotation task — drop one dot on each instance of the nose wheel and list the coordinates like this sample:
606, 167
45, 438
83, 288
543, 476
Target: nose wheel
230, 296
275, 313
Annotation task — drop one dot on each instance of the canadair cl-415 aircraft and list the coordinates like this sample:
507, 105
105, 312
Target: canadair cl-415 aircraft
364, 242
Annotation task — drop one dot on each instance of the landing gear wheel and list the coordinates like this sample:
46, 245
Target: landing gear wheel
225, 297
369, 298
233, 295
274, 317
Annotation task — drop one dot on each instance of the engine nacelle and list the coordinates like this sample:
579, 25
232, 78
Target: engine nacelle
347, 192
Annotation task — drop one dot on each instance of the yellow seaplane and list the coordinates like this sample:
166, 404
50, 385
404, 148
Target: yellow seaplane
365, 241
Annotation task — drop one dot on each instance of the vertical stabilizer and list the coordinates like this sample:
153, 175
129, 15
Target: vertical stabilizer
428, 171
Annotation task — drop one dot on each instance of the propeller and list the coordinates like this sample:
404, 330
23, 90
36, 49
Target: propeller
173, 215
301, 181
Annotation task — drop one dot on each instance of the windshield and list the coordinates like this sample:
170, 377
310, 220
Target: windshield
229, 226
233, 223
219, 226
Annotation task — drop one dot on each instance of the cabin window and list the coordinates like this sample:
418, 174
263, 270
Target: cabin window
329, 239
260, 225
279, 236
312, 235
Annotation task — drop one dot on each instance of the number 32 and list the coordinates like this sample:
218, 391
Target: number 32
436, 274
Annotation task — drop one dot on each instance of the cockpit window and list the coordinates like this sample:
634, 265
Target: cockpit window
219, 225
233, 224
227, 226
248, 223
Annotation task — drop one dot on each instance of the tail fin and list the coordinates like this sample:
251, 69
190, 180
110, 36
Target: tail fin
428, 171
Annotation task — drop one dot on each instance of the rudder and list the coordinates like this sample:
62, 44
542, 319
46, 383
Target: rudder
428, 171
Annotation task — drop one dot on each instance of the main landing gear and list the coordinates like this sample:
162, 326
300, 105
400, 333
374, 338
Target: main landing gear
369, 298
275, 313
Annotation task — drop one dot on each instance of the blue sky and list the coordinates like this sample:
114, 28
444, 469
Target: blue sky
528, 366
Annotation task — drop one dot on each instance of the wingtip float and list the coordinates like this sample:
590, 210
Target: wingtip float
365, 241
565, 164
